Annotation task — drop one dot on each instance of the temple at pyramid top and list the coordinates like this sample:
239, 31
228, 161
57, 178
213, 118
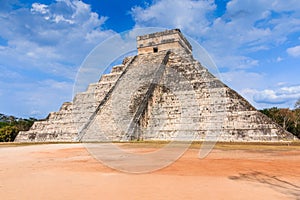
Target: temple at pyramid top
160, 41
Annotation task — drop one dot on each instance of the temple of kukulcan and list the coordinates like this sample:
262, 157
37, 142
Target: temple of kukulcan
162, 93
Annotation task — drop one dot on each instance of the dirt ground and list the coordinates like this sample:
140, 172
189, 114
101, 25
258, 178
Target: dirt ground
68, 171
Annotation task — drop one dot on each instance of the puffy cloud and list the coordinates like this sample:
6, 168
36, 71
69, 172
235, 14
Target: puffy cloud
241, 79
250, 85
290, 90
40, 8
35, 99
183, 14
294, 51
270, 97
283, 96
55, 35
44, 42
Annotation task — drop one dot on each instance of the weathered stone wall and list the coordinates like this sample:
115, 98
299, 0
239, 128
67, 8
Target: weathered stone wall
199, 106
162, 41
65, 124
58, 126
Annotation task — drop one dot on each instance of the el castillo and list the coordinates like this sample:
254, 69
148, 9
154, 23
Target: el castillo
162, 93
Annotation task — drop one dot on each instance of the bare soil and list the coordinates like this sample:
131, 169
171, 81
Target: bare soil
68, 171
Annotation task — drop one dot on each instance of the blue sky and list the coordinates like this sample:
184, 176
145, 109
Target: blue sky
255, 44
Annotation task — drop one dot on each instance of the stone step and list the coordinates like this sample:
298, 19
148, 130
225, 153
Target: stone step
117, 69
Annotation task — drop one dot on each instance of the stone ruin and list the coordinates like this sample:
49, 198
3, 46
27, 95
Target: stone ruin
162, 93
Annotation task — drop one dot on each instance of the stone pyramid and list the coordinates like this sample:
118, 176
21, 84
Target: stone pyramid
162, 93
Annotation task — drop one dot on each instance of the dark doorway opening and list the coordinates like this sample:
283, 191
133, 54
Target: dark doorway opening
155, 49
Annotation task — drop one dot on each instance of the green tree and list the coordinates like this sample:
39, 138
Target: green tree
10, 126
8, 133
2, 124
288, 119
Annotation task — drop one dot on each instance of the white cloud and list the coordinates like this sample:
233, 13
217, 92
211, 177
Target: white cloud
282, 96
61, 18
56, 35
294, 51
242, 79
250, 84
285, 5
24, 98
39, 8
183, 14
290, 90
44, 94
8, 73
46, 43
281, 83
269, 96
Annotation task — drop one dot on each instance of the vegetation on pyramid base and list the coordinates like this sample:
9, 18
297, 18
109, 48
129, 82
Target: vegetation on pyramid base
287, 118
10, 127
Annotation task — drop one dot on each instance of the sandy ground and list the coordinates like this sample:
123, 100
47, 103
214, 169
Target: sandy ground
68, 171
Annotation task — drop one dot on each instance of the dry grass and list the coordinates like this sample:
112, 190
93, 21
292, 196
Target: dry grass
221, 145
194, 145
15, 144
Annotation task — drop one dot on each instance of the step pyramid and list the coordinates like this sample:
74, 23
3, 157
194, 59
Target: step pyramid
162, 93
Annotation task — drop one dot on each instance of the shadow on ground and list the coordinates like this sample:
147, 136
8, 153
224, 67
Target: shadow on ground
273, 182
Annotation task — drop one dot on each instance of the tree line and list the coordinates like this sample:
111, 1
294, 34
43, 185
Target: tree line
289, 119
10, 127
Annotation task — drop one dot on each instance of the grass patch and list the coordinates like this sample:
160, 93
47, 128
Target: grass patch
294, 145
16, 144
219, 145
